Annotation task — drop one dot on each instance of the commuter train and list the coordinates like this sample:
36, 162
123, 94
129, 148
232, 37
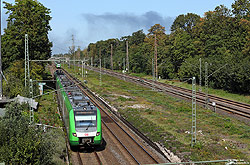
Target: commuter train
58, 65
82, 119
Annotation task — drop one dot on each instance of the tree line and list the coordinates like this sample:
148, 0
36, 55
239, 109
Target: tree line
24, 17
20, 142
221, 38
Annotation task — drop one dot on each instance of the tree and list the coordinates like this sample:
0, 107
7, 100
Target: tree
137, 37
26, 17
21, 143
241, 9
185, 22
15, 78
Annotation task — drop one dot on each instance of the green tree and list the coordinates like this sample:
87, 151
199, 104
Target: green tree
241, 9
185, 22
15, 78
137, 38
182, 47
26, 17
21, 143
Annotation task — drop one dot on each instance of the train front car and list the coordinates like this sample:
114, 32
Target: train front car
58, 65
87, 121
82, 119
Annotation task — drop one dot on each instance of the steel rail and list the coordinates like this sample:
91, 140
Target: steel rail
98, 158
101, 108
79, 158
73, 79
185, 93
120, 142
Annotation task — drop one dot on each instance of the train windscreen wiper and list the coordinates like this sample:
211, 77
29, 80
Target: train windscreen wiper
88, 126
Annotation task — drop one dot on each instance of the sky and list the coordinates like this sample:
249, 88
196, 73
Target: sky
93, 20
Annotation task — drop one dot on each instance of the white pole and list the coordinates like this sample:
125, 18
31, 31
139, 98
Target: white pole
82, 69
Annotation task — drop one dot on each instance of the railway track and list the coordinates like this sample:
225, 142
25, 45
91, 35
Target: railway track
232, 107
86, 158
134, 151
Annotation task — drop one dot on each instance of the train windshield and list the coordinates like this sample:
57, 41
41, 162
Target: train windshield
85, 121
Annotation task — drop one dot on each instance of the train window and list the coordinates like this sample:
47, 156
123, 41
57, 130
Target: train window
85, 121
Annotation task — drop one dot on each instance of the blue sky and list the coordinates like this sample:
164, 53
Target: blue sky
93, 20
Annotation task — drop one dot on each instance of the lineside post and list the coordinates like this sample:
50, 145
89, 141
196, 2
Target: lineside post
82, 69
206, 85
193, 130
200, 76
153, 70
27, 67
156, 71
100, 71
1, 72
127, 56
31, 108
111, 57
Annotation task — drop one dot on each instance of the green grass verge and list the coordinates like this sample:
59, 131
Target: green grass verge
168, 120
48, 114
216, 92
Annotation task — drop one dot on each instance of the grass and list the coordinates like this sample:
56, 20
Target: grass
167, 120
216, 92
47, 113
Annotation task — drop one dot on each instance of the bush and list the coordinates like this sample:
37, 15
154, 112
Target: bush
21, 143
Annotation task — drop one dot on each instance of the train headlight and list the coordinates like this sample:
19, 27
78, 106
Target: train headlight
74, 134
98, 133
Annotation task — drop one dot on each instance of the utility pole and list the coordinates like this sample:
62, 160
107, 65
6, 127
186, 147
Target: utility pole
153, 70
206, 85
84, 65
100, 53
31, 108
104, 64
193, 130
100, 71
111, 60
27, 65
127, 56
156, 72
1, 72
73, 49
206, 81
82, 69
79, 53
200, 76
124, 65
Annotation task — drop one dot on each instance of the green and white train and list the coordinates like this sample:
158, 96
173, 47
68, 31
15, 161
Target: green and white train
82, 119
57, 64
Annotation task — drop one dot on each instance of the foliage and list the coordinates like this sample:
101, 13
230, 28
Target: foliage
241, 8
26, 17
15, 76
167, 120
21, 143
220, 37
186, 22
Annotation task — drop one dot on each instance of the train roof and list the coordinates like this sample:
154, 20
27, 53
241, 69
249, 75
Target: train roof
78, 100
